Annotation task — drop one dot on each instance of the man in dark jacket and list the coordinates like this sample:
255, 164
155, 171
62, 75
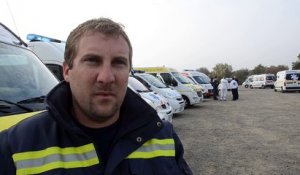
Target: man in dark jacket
93, 123
215, 84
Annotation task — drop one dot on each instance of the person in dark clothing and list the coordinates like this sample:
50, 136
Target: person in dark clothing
234, 89
215, 84
237, 90
94, 124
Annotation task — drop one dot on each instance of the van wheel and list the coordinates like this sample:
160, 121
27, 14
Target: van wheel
186, 102
282, 91
246, 86
275, 90
263, 87
251, 87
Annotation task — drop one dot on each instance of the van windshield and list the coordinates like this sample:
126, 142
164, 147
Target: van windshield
23, 77
270, 77
294, 76
137, 85
180, 78
154, 81
201, 80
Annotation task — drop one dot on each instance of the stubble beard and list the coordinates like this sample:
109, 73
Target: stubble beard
103, 112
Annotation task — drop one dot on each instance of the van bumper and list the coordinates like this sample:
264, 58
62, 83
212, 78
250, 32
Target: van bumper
177, 106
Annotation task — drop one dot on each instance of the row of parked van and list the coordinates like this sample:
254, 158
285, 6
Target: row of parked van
25, 80
190, 86
286, 80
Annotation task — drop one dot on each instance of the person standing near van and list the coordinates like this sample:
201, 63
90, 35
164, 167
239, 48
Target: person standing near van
94, 124
234, 89
223, 89
215, 84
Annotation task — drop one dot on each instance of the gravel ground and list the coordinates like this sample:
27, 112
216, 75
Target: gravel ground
258, 134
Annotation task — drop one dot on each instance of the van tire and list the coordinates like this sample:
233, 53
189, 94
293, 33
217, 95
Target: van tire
251, 87
246, 86
282, 91
186, 102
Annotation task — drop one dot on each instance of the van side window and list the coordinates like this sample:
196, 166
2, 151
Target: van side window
56, 70
167, 78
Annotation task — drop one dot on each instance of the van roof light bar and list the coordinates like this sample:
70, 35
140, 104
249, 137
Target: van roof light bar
35, 37
189, 70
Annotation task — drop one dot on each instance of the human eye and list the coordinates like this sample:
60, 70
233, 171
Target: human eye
120, 61
92, 59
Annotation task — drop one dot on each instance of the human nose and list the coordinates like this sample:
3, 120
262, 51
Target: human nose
106, 74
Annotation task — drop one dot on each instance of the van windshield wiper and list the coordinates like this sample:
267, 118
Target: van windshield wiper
3, 106
143, 91
39, 99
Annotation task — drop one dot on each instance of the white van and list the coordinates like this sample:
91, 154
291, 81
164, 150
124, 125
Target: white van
158, 102
200, 78
171, 77
153, 83
24, 80
50, 51
248, 81
263, 81
287, 80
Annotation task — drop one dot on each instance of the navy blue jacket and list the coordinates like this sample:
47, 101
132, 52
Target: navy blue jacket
52, 143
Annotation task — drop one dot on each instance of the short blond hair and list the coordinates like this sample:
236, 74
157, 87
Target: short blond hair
102, 25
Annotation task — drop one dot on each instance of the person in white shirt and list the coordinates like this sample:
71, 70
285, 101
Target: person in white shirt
223, 89
234, 89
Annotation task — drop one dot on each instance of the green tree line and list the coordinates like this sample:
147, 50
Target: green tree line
225, 70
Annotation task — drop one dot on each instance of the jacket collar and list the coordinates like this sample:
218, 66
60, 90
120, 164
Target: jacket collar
135, 112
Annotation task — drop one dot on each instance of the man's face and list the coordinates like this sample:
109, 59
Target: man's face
98, 78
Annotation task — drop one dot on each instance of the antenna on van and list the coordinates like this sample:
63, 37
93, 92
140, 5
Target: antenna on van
12, 16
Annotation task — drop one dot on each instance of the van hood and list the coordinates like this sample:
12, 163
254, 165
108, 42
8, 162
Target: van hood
156, 99
170, 93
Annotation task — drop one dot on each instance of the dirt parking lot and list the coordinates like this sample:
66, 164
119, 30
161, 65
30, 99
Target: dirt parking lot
257, 135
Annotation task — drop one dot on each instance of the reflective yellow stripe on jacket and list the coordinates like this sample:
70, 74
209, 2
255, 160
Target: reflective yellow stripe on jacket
35, 162
10, 120
154, 148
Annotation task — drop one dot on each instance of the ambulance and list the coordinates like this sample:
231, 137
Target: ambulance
174, 97
50, 51
24, 80
156, 101
200, 78
248, 81
171, 77
287, 80
262, 81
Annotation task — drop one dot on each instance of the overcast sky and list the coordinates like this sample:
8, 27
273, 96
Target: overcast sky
183, 34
